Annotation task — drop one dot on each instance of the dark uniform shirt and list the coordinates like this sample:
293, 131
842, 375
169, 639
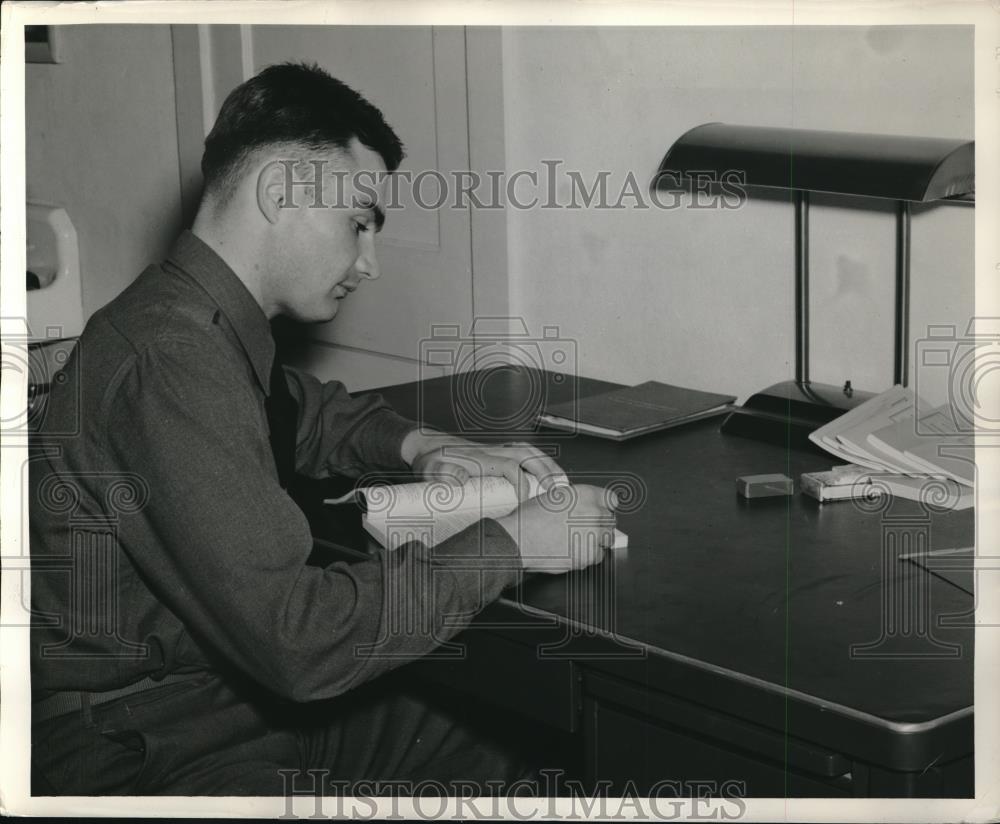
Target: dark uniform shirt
161, 539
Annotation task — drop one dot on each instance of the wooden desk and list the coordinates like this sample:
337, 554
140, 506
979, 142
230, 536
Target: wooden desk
775, 642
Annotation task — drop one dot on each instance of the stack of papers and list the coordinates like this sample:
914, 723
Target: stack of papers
896, 433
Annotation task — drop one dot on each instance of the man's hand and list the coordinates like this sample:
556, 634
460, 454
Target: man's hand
565, 528
439, 457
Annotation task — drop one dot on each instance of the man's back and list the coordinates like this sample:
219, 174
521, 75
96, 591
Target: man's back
83, 502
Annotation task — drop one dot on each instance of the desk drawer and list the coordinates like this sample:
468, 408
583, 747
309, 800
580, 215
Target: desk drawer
512, 676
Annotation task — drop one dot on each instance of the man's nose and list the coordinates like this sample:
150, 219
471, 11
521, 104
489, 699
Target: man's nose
367, 265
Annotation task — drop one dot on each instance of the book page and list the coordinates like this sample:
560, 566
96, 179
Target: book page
394, 530
433, 511
439, 499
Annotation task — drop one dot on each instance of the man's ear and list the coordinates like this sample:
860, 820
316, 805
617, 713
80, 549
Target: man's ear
271, 186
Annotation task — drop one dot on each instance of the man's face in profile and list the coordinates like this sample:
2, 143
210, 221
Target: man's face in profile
327, 248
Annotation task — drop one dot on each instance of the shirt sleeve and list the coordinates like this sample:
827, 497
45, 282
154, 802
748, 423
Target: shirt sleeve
344, 435
225, 548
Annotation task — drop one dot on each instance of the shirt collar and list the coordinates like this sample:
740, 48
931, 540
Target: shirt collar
197, 259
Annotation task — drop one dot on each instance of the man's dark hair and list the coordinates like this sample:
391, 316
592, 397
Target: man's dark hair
297, 104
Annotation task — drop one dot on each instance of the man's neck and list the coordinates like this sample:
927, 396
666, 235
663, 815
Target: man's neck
233, 249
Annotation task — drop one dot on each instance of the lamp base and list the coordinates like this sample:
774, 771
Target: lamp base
787, 412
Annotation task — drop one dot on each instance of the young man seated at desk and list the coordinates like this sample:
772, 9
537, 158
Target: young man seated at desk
180, 629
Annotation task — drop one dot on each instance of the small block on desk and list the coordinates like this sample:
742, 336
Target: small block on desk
764, 486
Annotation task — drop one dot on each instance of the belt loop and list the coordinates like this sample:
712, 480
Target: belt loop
88, 718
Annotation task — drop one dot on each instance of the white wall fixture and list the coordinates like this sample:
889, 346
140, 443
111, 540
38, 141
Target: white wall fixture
55, 304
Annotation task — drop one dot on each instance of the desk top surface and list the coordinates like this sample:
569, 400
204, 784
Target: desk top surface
774, 591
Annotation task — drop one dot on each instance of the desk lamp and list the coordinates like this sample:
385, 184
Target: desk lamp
889, 167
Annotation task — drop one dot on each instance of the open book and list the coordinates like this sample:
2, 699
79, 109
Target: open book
433, 511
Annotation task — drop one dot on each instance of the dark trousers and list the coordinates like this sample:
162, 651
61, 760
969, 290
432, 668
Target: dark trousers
204, 737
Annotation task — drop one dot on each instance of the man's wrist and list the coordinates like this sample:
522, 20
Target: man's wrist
380, 438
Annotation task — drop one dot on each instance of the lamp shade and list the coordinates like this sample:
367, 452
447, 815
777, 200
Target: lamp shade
850, 163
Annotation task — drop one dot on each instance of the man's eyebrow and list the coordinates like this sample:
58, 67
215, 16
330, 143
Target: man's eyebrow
375, 209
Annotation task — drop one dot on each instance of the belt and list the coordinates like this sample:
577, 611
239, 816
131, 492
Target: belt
66, 701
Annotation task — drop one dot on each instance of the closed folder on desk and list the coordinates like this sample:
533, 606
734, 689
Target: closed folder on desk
626, 413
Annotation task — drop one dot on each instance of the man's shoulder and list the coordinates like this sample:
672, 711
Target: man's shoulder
161, 317
156, 307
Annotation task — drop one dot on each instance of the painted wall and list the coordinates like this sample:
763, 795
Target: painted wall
102, 143
705, 297
697, 297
